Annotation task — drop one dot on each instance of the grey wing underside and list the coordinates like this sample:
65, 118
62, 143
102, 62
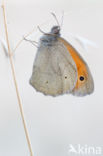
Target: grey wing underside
54, 71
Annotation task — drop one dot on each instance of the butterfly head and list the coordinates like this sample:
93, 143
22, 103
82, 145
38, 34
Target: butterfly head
49, 39
55, 30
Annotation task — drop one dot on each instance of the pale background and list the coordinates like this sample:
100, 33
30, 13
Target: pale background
53, 123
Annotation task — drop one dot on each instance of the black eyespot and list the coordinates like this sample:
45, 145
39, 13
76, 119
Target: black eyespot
65, 77
81, 78
46, 81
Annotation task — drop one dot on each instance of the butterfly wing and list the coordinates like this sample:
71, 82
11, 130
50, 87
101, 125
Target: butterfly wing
85, 84
54, 71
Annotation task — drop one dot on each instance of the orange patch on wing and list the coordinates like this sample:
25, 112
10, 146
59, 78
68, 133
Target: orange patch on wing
81, 66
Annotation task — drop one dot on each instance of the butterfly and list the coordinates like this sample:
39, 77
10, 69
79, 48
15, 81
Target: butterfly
59, 69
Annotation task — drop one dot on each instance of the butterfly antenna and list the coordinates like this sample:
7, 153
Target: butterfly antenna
62, 19
55, 18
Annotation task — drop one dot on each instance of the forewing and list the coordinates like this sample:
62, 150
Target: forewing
86, 87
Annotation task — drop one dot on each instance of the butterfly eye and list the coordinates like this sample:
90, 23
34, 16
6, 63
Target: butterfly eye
81, 78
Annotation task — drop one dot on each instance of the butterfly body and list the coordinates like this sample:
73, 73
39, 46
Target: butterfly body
59, 69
